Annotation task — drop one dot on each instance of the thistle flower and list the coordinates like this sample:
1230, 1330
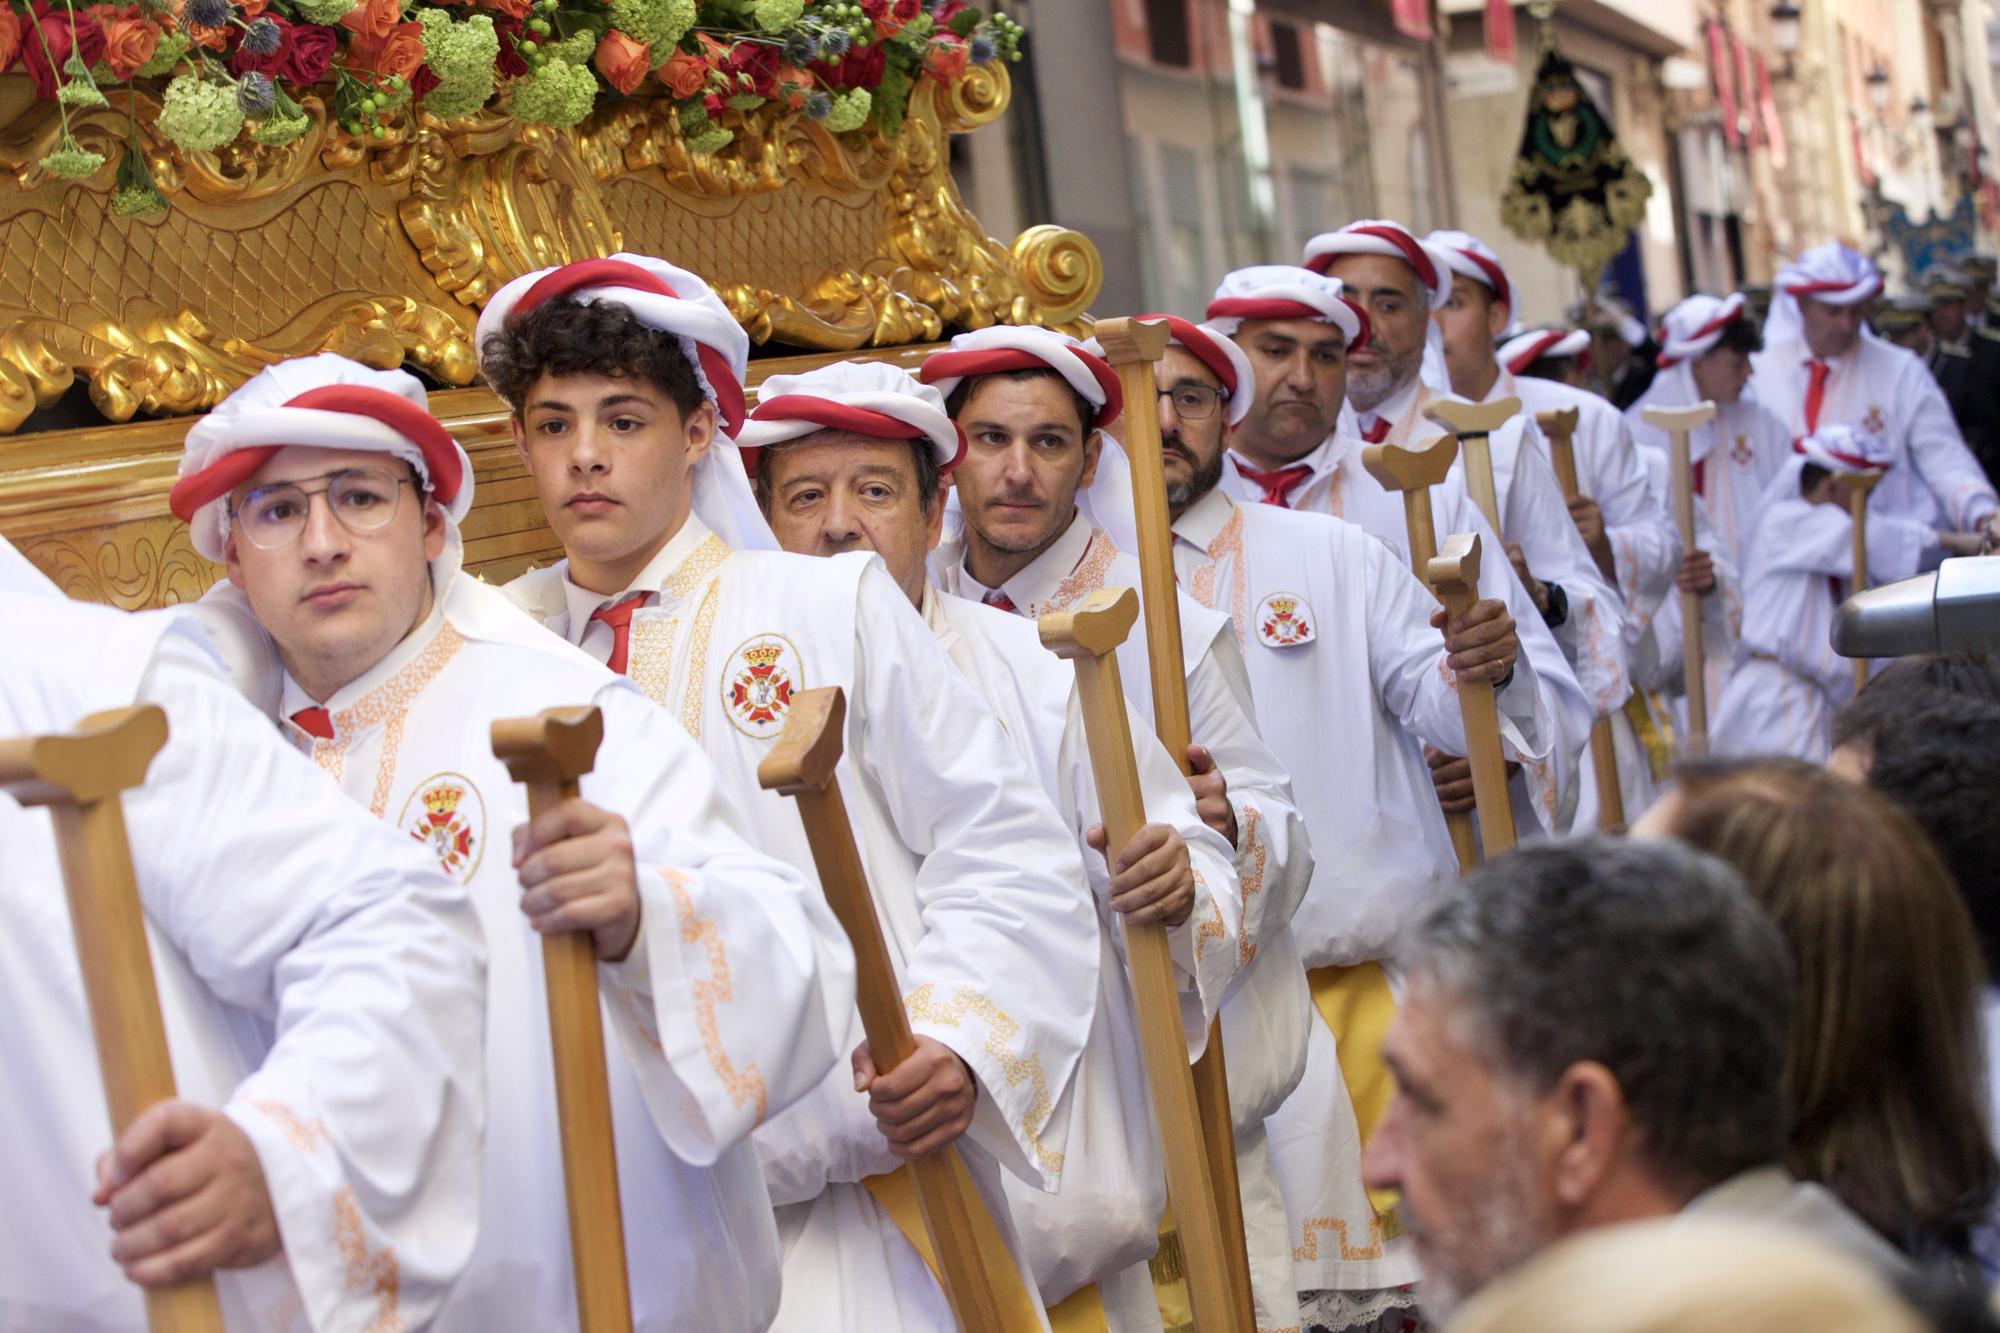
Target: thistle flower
818, 104
981, 50
262, 38
835, 43
800, 48
660, 24
197, 115
206, 13
255, 94
849, 110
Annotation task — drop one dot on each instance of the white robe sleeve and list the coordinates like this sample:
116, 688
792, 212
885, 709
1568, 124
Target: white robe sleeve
735, 1000
1005, 973
1273, 854
292, 903
1645, 549
1818, 539
1937, 450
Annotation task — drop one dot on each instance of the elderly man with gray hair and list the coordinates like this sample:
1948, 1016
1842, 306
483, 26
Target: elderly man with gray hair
1592, 1033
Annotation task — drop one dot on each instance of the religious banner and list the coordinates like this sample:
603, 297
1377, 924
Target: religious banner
1573, 188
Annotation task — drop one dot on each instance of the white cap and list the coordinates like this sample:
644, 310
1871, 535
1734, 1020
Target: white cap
867, 398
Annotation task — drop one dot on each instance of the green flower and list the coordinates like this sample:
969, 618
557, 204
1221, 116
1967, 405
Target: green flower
322, 11
660, 24
173, 45
462, 56
199, 116
745, 102
575, 49
78, 88
143, 201
275, 129
892, 101
558, 94
776, 15
71, 161
711, 139
850, 111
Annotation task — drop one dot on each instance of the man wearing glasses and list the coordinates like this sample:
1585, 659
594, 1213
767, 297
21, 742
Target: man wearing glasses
333, 498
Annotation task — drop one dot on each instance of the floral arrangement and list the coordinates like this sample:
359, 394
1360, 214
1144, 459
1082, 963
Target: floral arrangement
225, 69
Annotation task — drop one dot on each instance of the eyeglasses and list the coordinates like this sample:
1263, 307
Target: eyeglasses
1193, 402
364, 500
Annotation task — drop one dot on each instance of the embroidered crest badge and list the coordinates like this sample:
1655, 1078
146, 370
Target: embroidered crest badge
761, 677
1740, 452
1284, 619
446, 814
1873, 422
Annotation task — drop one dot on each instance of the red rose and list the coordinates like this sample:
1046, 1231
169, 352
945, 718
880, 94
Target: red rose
509, 63
84, 36
861, 67
308, 53
242, 62
423, 81
515, 9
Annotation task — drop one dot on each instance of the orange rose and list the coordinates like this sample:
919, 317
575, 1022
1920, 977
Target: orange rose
395, 56
372, 19
684, 75
129, 42
10, 35
946, 61
622, 60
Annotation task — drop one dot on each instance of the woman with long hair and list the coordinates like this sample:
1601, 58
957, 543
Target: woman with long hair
1885, 1075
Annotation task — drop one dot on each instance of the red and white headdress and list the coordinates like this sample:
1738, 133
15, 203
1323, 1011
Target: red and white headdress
660, 296
1005, 347
1216, 350
1466, 254
867, 398
1284, 291
1693, 328
1845, 449
325, 402
1833, 273
1524, 349
1378, 237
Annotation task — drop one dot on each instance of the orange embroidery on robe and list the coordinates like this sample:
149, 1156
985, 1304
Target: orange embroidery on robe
1211, 927
304, 1135
1087, 577
368, 1270
1228, 545
744, 1085
1308, 1252
388, 703
1253, 882
1000, 1029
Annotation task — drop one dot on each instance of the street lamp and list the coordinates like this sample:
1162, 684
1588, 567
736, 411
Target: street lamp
1785, 28
1878, 88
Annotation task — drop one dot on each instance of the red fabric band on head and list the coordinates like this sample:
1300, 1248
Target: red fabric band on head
1852, 460
433, 442
587, 273
1496, 277
1200, 344
1247, 307
998, 360
1716, 325
1411, 251
1534, 350
845, 416
1821, 286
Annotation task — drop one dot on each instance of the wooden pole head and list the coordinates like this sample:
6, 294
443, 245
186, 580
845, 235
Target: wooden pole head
1400, 469
108, 753
1454, 570
1463, 418
1858, 483
1126, 340
1094, 626
1672, 419
557, 745
808, 750
1560, 422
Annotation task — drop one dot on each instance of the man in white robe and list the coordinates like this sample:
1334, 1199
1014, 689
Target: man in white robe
321, 988
1706, 346
670, 577
1035, 484
394, 665
1292, 450
857, 456
1788, 679
1821, 366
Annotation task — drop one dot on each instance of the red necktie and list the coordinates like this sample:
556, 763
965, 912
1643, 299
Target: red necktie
618, 615
1000, 601
314, 722
1376, 433
1817, 371
1278, 483
1700, 468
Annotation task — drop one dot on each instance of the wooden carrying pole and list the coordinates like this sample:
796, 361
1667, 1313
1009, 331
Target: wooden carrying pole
79, 777
801, 765
1858, 485
1474, 424
1089, 635
1677, 422
1560, 430
1413, 472
1454, 577
549, 753
1131, 347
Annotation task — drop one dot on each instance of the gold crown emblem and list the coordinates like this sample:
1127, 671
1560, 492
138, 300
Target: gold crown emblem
443, 800
763, 655
1284, 606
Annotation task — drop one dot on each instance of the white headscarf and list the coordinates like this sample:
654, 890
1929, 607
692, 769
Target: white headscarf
1833, 273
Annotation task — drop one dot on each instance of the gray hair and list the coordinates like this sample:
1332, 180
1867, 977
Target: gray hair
1647, 958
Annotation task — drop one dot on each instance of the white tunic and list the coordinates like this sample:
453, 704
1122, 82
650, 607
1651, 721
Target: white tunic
697, 1063
1788, 679
1545, 793
1734, 456
972, 871
319, 980
1103, 1225
1267, 1023
1933, 478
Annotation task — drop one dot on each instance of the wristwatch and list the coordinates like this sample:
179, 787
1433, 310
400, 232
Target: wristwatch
1558, 611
